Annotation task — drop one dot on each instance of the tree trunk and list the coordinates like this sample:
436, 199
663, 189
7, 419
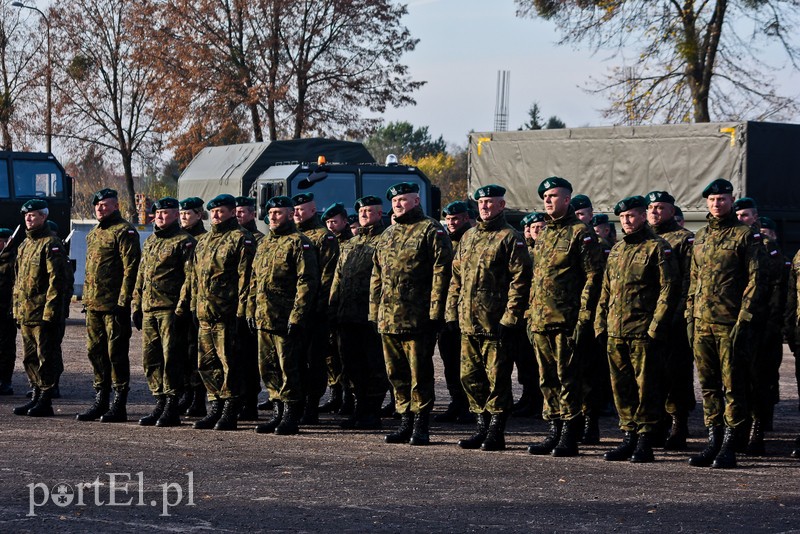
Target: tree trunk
127, 165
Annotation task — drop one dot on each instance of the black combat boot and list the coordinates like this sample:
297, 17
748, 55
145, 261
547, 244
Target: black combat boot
267, 405
370, 417
568, 444
118, 412
643, 453
404, 431
44, 406
676, 441
726, 457
741, 436
152, 418
185, 400
291, 415
198, 406
171, 415
755, 447
420, 434
496, 435
208, 422
310, 412
549, 443
334, 401
624, 450
707, 455
270, 426
348, 402
591, 431
23, 410
97, 409
249, 409
476, 440
230, 413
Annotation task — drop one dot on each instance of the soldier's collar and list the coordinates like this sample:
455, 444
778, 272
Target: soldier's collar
458, 234
169, 230
723, 222
112, 219
665, 227
411, 216
36, 233
639, 235
225, 226
567, 218
285, 229
312, 222
372, 229
492, 224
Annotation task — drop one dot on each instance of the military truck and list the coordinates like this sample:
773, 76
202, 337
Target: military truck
335, 171
761, 159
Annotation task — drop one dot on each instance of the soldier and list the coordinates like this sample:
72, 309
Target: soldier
112, 260
487, 297
679, 217
724, 291
166, 261
583, 208
352, 220
281, 303
40, 284
678, 358
602, 227
66, 298
635, 315
8, 328
359, 345
220, 284
567, 273
407, 299
456, 218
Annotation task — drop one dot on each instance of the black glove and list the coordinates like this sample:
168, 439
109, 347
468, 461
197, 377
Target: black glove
195, 321
451, 326
740, 335
137, 319
122, 315
690, 331
602, 340
251, 324
506, 333
435, 326
582, 333
294, 331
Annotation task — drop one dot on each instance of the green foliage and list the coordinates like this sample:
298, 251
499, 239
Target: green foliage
402, 140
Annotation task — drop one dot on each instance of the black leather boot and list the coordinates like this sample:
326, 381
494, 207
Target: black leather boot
476, 440
678, 432
549, 443
453, 414
152, 418
707, 455
568, 444
198, 406
644, 450
291, 415
23, 410
420, 434
726, 457
118, 412
267, 405
403, 433
229, 417
270, 426
334, 401
97, 409
496, 435
348, 402
591, 431
249, 409
369, 418
755, 447
310, 412
171, 415
208, 422
185, 400
624, 450
44, 406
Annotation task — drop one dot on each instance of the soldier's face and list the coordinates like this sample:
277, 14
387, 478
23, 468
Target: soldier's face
526, 231
189, 218
770, 233
719, 205
404, 203
106, 207
336, 223
603, 230
3, 243
660, 212
536, 229
556, 202
369, 215
585, 215
220, 214
279, 217
454, 222
34, 220
490, 207
748, 216
245, 214
632, 220
166, 217
303, 212
354, 228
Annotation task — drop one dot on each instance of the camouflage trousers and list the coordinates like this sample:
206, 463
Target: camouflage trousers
250, 360
409, 364
191, 377
162, 352
765, 363
678, 380
595, 377
450, 352
314, 370
39, 344
333, 362
486, 367
108, 342
559, 374
525, 360
280, 359
722, 372
218, 363
362, 361
8, 349
636, 368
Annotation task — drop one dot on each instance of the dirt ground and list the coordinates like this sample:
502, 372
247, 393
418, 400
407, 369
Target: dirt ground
54, 475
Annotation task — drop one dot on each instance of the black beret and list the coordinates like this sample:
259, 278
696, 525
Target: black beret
369, 200
456, 207
221, 200
103, 194
166, 203
720, 186
337, 208
280, 202
744, 203
5, 233
678, 211
53, 226
491, 190
403, 188
552, 183
600, 218
302, 198
579, 202
191, 203
630, 203
35, 204
246, 201
352, 219
660, 196
766, 222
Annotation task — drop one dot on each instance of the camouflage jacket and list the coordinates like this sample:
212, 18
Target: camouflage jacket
285, 280
221, 272
531, 244
257, 234
40, 278
790, 325
726, 272
112, 260
456, 236
166, 261
776, 276
567, 275
605, 245
69, 277
491, 279
640, 288
8, 258
411, 274
681, 241
350, 290
327, 248
197, 230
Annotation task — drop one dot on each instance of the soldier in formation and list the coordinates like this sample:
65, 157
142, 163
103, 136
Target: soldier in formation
8, 328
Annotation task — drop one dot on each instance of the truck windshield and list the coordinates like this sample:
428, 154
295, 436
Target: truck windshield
337, 187
37, 179
374, 183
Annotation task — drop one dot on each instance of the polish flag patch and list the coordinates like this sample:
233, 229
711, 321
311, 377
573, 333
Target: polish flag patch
520, 244
690, 240
773, 252
757, 236
55, 249
587, 239
667, 251
131, 232
306, 246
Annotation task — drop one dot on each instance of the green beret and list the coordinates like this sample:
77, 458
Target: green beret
166, 203
302, 198
280, 202
369, 200
492, 190
53, 226
5, 233
191, 203
720, 186
456, 207
352, 219
766, 222
337, 208
579, 202
552, 183
660, 196
744, 203
221, 200
35, 204
600, 218
532, 217
678, 211
245, 201
630, 203
403, 188
102, 195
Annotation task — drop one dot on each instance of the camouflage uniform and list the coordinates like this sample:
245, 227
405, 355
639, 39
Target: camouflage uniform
66, 298
333, 359
791, 323
249, 349
407, 298
192, 378
640, 290
524, 357
112, 260
8, 328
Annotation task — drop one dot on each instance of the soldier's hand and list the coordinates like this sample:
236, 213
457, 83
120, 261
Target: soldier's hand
740, 334
122, 315
294, 331
251, 324
602, 339
690, 332
451, 326
582, 334
506, 333
137, 319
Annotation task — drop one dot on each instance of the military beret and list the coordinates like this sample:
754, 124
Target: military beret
245, 201
280, 202
5, 233
337, 208
660, 196
744, 203
102, 195
456, 207
766, 222
403, 188
473, 214
579, 202
600, 218
532, 217
191, 203
369, 200
630, 203
720, 186
33, 204
352, 219
492, 190
302, 198
166, 203
53, 226
678, 211
552, 183
221, 200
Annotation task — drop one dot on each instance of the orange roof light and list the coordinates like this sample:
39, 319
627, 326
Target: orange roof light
320, 160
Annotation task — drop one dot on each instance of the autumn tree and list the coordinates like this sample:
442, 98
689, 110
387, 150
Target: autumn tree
692, 60
448, 172
403, 139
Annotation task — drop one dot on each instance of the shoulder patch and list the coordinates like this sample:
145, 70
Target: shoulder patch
520, 243
131, 231
757, 236
55, 249
439, 231
306, 246
773, 252
189, 244
587, 239
690, 240
248, 242
329, 237
667, 251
